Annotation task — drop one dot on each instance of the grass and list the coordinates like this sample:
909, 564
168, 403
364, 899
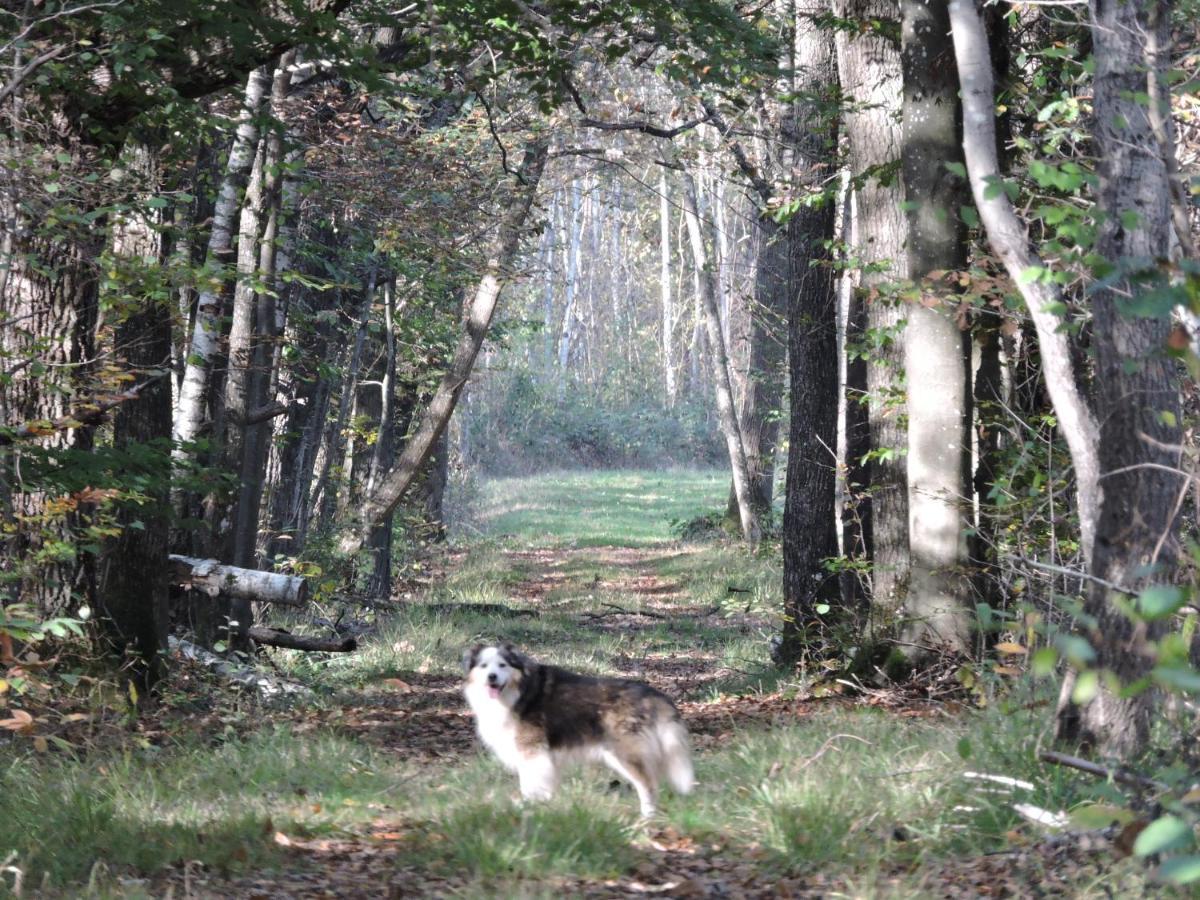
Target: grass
596, 509
874, 803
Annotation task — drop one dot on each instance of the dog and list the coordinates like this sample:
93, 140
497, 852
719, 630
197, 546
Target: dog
536, 718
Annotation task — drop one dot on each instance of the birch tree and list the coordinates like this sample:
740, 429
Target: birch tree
719, 361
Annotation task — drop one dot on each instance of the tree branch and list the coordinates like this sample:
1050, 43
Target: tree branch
644, 127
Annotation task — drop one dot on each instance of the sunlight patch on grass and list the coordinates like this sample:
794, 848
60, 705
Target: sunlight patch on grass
594, 509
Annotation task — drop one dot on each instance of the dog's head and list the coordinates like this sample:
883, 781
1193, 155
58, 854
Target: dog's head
495, 671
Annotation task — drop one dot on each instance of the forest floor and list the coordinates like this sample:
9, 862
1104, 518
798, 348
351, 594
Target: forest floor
378, 788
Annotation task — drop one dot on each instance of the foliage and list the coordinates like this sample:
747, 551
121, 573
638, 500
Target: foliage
531, 426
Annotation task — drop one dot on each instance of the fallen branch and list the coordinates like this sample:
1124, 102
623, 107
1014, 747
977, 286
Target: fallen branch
273, 637
622, 611
211, 577
1083, 765
246, 676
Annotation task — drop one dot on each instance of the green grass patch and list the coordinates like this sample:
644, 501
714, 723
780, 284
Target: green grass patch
594, 509
220, 803
871, 799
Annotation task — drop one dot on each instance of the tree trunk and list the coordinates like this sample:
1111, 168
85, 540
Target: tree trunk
376, 507
325, 491
937, 349
780, 254
667, 327
870, 73
205, 346
1137, 386
573, 237
48, 315
133, 610
380, 541
726, 414
809, 515
1010, 242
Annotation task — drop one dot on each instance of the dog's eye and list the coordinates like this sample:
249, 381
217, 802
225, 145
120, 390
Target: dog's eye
503, 665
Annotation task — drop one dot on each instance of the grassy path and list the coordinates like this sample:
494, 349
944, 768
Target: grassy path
379, 790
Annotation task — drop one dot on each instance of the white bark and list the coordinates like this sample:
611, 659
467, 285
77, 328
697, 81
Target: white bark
573, 237
720, 367
206, 335
208, 576
1010, 241
668, 309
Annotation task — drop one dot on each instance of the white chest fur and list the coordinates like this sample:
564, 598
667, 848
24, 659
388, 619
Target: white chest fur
496, 725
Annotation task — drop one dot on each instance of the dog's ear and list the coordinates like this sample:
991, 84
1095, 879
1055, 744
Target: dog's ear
515, 657
470, 655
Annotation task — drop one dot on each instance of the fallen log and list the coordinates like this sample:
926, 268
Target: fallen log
273, 637
266, 685
211, 577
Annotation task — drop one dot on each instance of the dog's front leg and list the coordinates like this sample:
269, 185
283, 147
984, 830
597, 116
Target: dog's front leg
538, 776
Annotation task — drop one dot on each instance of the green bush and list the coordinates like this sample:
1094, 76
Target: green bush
527, 426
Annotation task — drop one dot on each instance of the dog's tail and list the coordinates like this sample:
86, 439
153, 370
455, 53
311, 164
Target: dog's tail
676, 755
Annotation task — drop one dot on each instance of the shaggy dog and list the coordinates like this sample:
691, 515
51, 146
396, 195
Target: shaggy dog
535, 718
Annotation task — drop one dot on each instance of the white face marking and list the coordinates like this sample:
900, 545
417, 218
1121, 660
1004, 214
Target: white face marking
491, 671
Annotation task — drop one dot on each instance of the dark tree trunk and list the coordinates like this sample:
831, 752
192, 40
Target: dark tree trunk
133, 610
809, 520
133, 602
1137, 384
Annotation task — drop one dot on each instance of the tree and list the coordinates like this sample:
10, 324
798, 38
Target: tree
1127, 499
870, 75
877, 527
937, 350
392, 487
809, 535
1136, 382
719, 360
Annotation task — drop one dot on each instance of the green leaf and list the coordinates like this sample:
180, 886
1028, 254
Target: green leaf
957, 168
1178, 678
1087, 685
1180, 870
1043, 661
822, 608
964, 748
1166, 833
1160, 601
1076, 649
969, 216
157, 203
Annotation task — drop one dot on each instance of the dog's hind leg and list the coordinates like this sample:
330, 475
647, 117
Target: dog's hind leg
538, 776
637, 774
